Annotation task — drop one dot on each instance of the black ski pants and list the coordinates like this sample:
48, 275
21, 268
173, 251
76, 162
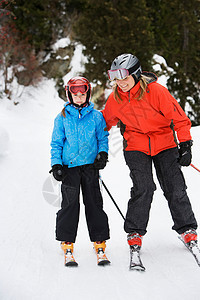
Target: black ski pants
172, 182
86, 178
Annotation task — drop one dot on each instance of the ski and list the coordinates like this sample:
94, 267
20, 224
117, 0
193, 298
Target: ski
193, 248
135, 259
69, 260
102, 259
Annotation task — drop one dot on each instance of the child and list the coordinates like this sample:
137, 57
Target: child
79, 148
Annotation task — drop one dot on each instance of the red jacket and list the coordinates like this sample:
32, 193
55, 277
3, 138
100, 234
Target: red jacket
149, 123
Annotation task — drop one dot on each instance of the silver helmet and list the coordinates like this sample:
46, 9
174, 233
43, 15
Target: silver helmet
125, 62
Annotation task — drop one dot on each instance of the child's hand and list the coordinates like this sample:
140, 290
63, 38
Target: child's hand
57, 172
101, 160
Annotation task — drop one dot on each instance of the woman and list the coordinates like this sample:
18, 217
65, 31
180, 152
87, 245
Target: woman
79, 148
150, 119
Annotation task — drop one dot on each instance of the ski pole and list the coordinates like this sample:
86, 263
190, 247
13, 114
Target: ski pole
194, 167
112, 198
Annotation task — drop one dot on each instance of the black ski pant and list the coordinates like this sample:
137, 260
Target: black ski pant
86, 178
172, 182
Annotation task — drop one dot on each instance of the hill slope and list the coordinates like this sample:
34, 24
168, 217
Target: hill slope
31, 260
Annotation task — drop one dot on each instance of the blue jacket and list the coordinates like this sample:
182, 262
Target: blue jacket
78, 137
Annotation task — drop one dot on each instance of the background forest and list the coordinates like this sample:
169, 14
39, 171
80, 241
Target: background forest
105, 29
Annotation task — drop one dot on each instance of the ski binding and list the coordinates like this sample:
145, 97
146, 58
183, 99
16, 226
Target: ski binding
135, 259
70, 261
102, 259
193, 248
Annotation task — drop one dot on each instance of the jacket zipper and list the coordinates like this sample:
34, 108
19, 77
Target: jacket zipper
150, 145
79, 114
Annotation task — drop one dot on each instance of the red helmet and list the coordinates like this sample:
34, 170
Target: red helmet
78, 84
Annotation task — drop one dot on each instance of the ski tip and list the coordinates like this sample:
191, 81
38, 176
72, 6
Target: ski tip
104, 263
71, 264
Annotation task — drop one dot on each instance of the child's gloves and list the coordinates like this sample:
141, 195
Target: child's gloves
185, 153
101, 160
57, 172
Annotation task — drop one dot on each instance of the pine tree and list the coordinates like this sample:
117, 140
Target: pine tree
15, 55
109, 28
176, 32
44, 22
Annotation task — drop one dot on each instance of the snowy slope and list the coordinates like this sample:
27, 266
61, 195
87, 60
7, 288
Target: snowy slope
31, 265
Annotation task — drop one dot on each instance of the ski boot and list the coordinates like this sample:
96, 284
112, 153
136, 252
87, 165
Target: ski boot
135, 240
100, 247
189, 237
135, 243
67, 247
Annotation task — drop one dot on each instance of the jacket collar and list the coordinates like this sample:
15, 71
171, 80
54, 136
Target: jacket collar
132, 91
76, 111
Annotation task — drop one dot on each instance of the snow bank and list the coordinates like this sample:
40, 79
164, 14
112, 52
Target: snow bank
4, 141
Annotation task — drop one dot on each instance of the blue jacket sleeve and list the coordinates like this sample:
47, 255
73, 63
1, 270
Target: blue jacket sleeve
102, 134
57, 142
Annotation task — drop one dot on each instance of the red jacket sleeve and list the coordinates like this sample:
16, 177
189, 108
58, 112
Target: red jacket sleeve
170, 108
109, 112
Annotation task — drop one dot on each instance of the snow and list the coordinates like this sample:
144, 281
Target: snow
62, 43
159, 61
77, 63
32, 263
4, 140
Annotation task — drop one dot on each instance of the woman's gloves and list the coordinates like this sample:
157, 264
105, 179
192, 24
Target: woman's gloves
185, 153
57, 172
101, 160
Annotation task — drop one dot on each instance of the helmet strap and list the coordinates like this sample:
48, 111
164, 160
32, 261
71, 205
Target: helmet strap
135, 78
80, 106
69, 96
88, 95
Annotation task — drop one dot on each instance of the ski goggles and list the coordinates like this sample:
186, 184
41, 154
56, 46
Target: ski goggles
118, 74
74, 88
